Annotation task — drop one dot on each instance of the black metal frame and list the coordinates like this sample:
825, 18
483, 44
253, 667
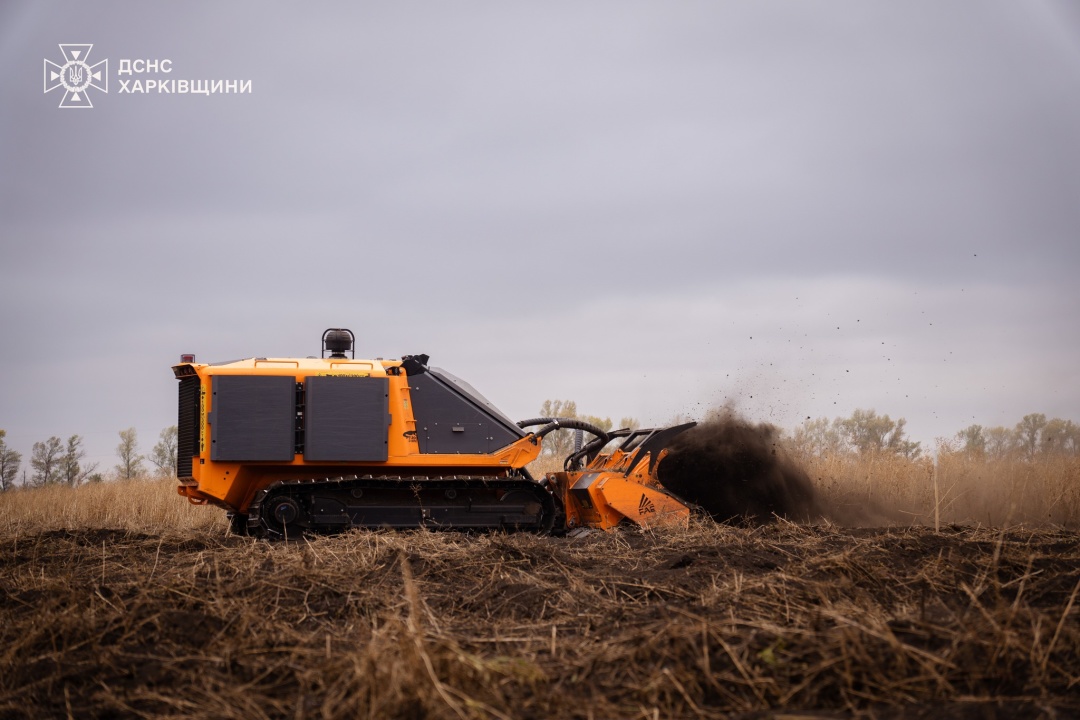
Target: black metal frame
352, 337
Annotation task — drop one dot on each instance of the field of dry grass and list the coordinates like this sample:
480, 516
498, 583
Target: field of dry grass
136, 505
120, 599
956, 488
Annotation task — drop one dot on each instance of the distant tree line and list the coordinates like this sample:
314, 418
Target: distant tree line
867, 433
56, 462
864, 433
1032, 437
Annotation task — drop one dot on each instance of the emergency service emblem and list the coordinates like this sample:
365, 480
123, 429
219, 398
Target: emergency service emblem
76, 76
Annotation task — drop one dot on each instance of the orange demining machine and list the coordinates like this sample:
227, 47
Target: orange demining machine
295, 445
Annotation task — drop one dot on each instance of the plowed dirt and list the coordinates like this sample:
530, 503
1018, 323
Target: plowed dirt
780, 620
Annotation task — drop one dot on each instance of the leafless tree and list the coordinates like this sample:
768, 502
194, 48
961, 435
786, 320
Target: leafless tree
1001, 442
561, 442
47, 461
1060, 437
128, 451
9, 464
973, 439
820, 437
164, 453
1028, 432
72, 471
869, 433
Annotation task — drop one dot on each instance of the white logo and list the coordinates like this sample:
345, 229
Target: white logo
76, 76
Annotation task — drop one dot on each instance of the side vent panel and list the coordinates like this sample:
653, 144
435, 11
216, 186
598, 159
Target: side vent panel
187, 426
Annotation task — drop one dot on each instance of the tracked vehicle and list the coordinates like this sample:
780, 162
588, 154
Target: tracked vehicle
294, 445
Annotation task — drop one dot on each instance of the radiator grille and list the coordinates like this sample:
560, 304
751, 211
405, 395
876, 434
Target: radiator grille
187, 426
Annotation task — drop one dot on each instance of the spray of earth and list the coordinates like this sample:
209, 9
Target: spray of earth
734, 469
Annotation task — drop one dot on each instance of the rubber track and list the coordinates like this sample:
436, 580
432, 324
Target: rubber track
304, 490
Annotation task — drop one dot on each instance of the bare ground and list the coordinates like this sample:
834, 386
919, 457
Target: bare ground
776, 621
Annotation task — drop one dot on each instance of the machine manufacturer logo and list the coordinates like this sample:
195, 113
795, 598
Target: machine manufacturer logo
645, 506
76, 76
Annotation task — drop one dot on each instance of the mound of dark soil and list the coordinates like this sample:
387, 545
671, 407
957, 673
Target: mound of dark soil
733, 469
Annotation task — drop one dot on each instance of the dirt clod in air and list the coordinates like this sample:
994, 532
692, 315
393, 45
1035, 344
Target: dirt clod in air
735, 469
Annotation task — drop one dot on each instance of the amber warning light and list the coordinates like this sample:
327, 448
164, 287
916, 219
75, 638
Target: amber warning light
187, 358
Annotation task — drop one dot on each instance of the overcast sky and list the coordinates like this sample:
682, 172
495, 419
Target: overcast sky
651, 208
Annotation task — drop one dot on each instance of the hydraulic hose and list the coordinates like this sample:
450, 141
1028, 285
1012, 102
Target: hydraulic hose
534, 421
572, 424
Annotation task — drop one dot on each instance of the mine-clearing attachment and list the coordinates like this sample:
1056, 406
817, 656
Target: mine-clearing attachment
611, 479
292, 507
